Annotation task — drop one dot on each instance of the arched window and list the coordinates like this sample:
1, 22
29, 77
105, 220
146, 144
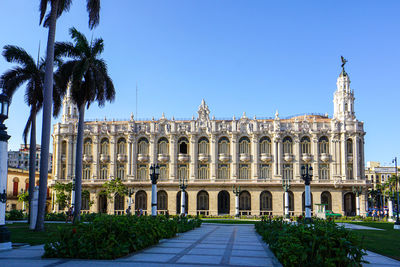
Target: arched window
203, 172
87, 147
15, 186
143, 146
64, 148
182, 172
288, 171
121, 171
349, 144
265, 171
223, 171
265, 145
266, 201
244, 201
162, 200
163, 147
103, 171
223, 202
183, 145
63, 174
121, 146
223, 145
141, 201
323, 145
324, 171
119, 204
85, 200
203, 146
164, 172
287, 145
350, 174
87, 171
104, 146
326, 198
305, 145
202, 201
142, 172
244, 171
244, 145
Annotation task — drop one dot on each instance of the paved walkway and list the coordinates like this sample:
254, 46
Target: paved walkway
209, 245
358, 227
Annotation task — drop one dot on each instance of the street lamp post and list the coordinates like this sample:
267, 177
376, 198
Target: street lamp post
129, 209
73, 195
183, 186
306, 175
5, 236
397, 223
154, 173
236, 191
357, 190
286, 187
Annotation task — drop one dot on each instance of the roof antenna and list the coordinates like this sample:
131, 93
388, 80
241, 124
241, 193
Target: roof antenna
136, 100
38, 55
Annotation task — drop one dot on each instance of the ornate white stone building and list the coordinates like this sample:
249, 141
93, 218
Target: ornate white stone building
215, 155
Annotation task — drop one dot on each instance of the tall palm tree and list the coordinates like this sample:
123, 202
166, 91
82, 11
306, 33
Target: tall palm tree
33, 74
88, 77
56, 10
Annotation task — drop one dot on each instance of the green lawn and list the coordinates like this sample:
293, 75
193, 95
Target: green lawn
20, 233
382, 242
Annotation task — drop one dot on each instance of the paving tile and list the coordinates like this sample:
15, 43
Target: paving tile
213, 246
206, 251
248, 247
251, 261
168, 250
149, 257
200, 259
175, 245
248, 253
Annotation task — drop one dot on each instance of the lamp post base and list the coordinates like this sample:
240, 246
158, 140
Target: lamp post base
5, 238
396, 227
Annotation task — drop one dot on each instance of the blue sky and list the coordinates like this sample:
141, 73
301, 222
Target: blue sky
252, 56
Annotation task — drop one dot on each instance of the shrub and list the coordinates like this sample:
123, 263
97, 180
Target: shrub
110, 237
55, 216
15, 215
322, 243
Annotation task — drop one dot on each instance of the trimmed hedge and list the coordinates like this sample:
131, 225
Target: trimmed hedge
110, 236
322, 243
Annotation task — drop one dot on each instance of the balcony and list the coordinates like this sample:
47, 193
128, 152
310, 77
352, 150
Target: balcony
306, 157
244, 157
183, 157
121, 158
163, 158
325, 157
87, 158
265, 157
288, 157
203, 157
350, 158
224, 157
143, 158
104, 158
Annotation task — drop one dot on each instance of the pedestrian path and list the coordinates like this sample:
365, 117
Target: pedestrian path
209, 245
358, 227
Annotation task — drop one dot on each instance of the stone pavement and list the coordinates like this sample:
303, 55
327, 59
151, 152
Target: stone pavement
209, 245
358, 227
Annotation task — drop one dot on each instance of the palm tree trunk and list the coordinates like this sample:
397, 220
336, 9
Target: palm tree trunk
32, 162
78, 164
46, 122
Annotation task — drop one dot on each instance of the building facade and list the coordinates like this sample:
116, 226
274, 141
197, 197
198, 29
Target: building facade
379, 175
20, 159
214, 155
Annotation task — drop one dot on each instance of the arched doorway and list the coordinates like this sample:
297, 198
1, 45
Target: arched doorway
349, 204
119, 207
326, 198
141, 202
202, 203
223, 203
244, 203
162, 202
178, 202
265, 203
102, 202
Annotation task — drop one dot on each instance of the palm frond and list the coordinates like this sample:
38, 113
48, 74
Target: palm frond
65, 49
15, 54
81, 42
12, 79
42, 9
93, 8
98, 47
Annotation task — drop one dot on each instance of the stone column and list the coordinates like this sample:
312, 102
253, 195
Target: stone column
57, 157
134, 158
275, 156
255, 156
193, 158
333, 163
113, 156
356, 165
343, 156
314, 156
214, 157
96, 152
70, 155
129, 171
173, 158
152, 149
235, 160
297, 160
280, 157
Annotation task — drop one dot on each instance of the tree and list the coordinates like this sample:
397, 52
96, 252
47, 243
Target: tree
88, 78
114, 186
57, 7
32, 73
63, 194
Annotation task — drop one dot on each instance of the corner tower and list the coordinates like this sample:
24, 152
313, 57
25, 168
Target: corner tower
343, 98
70, 110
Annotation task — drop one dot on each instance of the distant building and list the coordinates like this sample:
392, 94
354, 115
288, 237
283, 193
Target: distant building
378, 174
20, 159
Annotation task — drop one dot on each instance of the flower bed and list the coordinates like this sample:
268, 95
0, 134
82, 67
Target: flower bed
322, 243
110, 237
